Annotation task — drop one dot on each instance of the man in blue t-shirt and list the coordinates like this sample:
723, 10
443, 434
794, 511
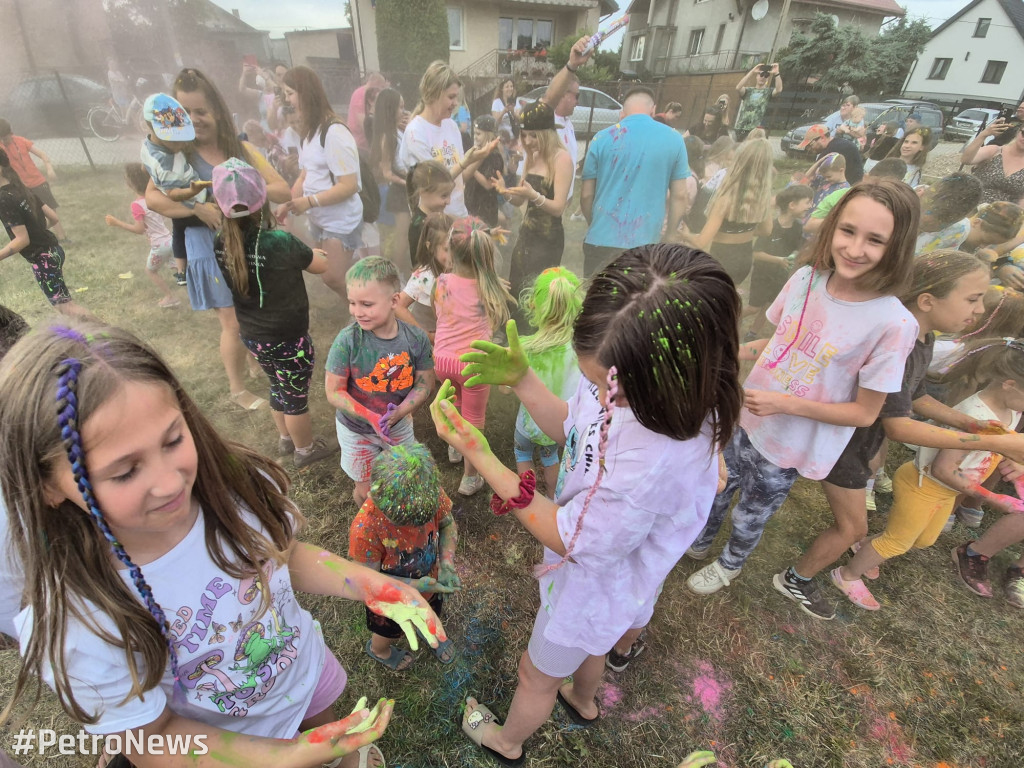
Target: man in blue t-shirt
630, 170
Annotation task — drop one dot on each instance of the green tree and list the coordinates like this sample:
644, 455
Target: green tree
832, 56
411, 34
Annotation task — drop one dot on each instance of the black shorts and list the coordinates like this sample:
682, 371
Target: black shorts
597, 257
45, 195
766, 283
851, 469
397, 199
384, 627
735, 258
48, 270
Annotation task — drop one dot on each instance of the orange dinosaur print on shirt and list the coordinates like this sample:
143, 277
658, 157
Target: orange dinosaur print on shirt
392, 373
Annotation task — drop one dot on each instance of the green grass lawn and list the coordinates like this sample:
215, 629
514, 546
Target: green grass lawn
933, 679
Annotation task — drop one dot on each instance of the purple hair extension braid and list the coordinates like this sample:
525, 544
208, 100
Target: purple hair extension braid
67, 418
602, 449
987, 322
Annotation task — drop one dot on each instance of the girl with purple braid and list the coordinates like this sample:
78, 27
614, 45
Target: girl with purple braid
160, 564
657, 346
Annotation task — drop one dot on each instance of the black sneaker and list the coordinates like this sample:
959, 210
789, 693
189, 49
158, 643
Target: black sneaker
806, 595
617, 662
179, 278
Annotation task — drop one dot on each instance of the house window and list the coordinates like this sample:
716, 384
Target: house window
939, 69
505, 27
696, 38
544, 35
636, 48
993, 72
455, 41
719, 38
982, 29
524, 34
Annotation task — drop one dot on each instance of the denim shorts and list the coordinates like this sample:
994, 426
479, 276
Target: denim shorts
350, 241
359, 450
524, 448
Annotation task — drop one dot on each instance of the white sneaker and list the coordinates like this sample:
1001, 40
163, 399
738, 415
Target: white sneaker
577, 217
698, 554
883, 482
949, 523
711, 578
454, 456
471, 484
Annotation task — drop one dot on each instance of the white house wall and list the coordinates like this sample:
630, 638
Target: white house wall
970, 55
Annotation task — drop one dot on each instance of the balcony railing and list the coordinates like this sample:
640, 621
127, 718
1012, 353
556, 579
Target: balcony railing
723, 61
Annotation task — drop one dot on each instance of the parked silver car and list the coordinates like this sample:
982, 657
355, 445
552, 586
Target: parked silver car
606, 110
966, 125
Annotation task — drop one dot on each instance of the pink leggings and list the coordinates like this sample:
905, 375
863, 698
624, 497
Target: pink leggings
472, 401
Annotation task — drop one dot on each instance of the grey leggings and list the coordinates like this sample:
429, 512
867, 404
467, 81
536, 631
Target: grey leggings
762, 486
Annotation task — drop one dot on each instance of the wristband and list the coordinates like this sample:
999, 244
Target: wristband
527, 486
316, 200
571, 70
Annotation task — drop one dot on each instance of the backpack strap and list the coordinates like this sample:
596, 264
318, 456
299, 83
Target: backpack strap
323, 141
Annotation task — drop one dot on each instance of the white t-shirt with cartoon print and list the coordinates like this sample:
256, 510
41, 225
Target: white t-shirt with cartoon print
425, 141
238, 671
653, 501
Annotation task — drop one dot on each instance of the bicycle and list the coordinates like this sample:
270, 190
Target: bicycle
108, 121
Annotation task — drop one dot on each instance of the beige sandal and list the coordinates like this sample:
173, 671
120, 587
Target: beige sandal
247, 400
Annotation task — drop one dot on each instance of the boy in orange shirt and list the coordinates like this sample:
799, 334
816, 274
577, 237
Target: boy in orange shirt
19, 149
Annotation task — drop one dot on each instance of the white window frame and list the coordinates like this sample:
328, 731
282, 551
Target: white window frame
636, 48
535, 20
984, 32
698, 34
462, 27
1002, 74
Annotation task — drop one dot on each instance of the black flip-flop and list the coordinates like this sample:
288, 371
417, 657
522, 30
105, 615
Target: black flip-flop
574, 714
488, 716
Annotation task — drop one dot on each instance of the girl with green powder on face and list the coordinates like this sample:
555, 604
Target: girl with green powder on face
552, 304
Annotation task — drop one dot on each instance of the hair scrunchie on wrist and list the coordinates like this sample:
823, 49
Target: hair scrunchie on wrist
527, 487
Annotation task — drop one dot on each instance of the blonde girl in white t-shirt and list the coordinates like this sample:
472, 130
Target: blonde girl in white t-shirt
328, 186
160, 563
840, 346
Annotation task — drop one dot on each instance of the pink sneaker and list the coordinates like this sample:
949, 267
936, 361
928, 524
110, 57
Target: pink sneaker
855, 590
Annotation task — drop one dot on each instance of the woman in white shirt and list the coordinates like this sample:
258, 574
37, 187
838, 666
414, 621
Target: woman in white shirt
328, 187
433, 135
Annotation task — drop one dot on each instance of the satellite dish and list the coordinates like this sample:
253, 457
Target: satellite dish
759, 10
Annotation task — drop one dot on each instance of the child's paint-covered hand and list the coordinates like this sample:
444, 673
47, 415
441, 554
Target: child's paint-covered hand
404, 606
447, 576
451, 427
428, 585
494, 364
345, 736
387, 421
699, 759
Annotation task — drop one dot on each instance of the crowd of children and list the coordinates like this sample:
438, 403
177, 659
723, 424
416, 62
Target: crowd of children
880, 312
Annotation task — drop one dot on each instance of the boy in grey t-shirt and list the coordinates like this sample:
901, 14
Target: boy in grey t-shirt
379, 371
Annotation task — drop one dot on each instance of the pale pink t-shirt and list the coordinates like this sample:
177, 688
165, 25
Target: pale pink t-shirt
461, 317
842, 345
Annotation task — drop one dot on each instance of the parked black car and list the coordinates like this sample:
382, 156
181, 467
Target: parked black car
36, 108
876, 113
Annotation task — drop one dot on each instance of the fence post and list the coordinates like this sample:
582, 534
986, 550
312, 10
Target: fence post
74, 120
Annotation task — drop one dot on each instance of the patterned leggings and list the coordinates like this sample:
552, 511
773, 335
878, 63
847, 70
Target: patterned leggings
762, 486
289, 366
48, 270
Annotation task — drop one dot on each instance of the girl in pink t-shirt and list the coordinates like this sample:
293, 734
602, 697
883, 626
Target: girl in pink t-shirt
840, 346
471, 303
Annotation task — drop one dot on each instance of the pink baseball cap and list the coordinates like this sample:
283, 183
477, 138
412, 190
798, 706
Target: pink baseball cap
238, 188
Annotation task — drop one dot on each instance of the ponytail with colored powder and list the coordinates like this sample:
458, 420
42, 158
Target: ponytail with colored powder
473, 249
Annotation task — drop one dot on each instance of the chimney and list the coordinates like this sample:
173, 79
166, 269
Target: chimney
234, 12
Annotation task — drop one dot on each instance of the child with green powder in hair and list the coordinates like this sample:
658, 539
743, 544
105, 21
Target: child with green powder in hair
406, 530
552, 304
